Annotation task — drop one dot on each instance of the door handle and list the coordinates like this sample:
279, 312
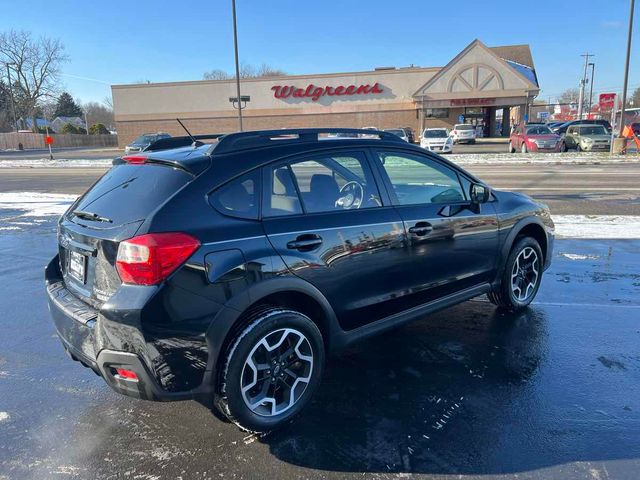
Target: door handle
421, 229
305, 243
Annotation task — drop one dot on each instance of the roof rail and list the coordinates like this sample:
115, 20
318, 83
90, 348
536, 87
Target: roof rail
177, 142
262, 138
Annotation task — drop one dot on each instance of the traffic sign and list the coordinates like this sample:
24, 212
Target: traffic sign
461, 119
543, 115
48, 140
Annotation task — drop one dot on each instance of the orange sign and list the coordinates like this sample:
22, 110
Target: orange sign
48, 140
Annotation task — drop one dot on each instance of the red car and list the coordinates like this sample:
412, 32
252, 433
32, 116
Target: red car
534, 138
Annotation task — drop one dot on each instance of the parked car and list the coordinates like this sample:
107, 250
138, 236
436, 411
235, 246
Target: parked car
635, 127
463, 132
410, 134
143, 141
399, 132
562, 129
533, 138
586, 138
436, 140
226, 273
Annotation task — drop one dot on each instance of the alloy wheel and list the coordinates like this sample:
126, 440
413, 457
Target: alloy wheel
525, 274
276, 372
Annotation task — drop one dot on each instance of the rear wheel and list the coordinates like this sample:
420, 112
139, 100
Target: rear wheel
521, 277
523, 149
271, 370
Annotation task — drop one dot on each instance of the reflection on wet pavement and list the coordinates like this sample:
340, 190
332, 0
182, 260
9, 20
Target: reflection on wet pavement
552, 392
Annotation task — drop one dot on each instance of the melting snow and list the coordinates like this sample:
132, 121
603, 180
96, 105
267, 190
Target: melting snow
4, 416
34, 204
59, 162
577, 256
597, 226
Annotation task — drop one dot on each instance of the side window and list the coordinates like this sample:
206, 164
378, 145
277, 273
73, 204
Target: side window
282, 196
334, 182
417, 180
239, 197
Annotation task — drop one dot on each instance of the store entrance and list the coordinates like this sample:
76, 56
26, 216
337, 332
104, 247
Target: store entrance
488, 121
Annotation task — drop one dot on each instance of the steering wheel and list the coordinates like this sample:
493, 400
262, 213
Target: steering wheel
351, 196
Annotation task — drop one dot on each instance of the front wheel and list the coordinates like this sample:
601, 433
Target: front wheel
511, 148
521, 277
524, 148
563, 147
271, 370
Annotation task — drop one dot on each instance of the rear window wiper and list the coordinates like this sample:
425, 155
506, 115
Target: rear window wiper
91, 216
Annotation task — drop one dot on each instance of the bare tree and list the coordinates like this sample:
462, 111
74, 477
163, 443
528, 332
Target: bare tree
99, 113
570, 95
34, 65
108, 101
246, 71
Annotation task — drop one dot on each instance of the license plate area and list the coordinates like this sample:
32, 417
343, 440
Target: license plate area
77, 266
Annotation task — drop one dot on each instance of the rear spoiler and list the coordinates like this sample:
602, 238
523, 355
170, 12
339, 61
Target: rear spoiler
178, 142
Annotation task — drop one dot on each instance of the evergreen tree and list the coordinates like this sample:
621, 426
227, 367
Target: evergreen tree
67, 107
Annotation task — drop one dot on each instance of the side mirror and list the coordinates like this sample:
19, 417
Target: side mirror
479, 193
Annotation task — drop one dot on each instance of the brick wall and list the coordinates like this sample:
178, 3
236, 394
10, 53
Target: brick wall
129, 130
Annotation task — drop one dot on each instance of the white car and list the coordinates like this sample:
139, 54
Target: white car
463, 132
436, 140
400, 132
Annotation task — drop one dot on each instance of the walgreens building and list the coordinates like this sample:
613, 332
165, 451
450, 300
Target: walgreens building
487, 86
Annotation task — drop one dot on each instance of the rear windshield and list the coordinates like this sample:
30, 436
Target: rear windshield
592, 130
128, 193
465, 126
399, 132
434, 133
538, 130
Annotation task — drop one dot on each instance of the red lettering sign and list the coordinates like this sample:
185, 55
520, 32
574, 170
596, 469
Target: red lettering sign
607, 100
461, 102
314, 93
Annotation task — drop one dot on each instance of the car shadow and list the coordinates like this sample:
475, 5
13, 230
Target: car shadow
429, 397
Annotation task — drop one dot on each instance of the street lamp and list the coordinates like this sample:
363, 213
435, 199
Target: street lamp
13, 105
593, 67
235, 46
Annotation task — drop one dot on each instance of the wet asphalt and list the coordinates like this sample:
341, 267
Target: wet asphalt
549, 393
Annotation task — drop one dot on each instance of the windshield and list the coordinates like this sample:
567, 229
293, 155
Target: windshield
538, 130
144, 139
593, 130
464, 126
435, 133
397, 131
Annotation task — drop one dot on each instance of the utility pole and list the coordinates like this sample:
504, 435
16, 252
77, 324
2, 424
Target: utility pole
593, 71
235, 46
13, 105
583, 82
626, 68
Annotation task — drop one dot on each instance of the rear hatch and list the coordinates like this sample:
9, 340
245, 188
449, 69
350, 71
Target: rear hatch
109, 212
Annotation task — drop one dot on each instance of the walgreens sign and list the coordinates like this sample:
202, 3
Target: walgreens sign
314, 93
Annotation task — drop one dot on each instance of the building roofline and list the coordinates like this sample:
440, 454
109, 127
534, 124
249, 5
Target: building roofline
281, 77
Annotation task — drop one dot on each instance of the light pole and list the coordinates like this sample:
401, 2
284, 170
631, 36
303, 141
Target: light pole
626, 68
583, 82
235, 46
13, 105
593, 71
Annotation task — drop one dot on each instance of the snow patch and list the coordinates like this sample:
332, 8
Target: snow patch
57, 163
577, 256
539, 158
597, 226
4, 416
35, 204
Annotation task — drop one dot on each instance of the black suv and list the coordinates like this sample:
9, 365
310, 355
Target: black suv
225, 273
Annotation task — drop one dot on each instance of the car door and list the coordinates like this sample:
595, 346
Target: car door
452, 243
325, 216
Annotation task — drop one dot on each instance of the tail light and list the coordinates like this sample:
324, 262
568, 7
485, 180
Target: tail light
149, 259
134, 159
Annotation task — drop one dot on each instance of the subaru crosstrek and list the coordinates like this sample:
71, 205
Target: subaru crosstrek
226, 273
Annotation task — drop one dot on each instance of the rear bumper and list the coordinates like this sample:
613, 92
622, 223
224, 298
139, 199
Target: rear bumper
77, 326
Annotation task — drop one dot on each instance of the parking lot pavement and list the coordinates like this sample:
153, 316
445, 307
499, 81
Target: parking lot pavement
552, 392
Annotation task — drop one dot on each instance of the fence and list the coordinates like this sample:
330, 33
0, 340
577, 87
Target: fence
36, 140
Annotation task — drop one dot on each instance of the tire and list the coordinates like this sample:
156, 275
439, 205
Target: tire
563, 147
523, 149
472, 142
505, 297
511, 148
578, 148
282, 330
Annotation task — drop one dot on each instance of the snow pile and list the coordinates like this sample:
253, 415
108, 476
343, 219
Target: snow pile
56, 163
597, 226
35, 204
540, 158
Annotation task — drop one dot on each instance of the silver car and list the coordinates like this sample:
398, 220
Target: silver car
143, 141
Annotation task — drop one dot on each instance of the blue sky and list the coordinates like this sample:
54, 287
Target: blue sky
128, 41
